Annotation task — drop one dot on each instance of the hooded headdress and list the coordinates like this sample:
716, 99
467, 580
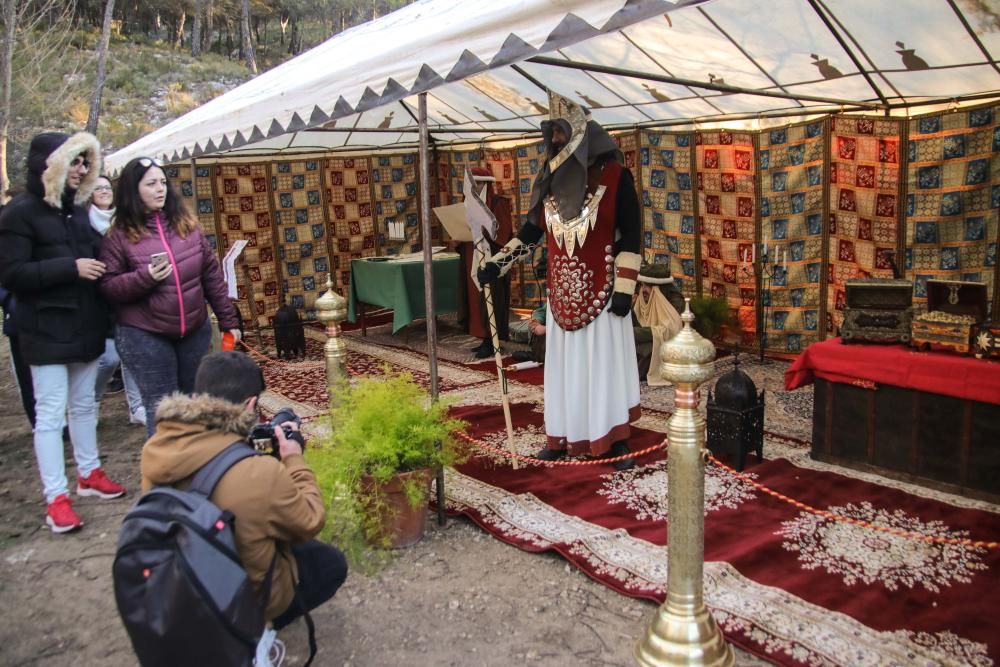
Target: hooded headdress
564, 175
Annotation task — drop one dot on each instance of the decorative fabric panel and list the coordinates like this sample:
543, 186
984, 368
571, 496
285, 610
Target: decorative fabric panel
726, 208
953, 183
864, 188
246, 214
668, 205
527, 291
300, 214
791, 210
350, 214
200, 202
394, 186
501, 165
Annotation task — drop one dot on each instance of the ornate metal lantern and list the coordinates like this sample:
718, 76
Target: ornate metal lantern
736, 417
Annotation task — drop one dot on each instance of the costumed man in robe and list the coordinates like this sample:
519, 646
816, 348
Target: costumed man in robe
584, 205
478, 325
654, 321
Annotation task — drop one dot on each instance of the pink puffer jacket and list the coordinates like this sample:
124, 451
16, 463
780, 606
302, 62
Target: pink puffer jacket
174, 306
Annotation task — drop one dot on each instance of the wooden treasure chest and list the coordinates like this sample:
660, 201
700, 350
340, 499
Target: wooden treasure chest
954, 311
878, 310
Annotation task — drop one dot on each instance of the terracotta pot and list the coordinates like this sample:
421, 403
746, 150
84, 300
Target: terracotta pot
403, 524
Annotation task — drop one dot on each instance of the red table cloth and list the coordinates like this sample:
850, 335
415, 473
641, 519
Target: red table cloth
897, 365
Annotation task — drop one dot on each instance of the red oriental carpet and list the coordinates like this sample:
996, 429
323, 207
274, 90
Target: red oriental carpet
791, 586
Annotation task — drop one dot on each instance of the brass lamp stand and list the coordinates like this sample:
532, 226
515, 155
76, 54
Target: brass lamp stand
683, 631
331, 308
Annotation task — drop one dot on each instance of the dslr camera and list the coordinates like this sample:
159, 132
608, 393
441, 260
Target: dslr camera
262, 438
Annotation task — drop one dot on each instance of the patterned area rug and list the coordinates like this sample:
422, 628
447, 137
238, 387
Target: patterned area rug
791, 586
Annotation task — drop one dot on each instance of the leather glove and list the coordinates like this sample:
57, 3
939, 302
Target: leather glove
488, 274
621, 303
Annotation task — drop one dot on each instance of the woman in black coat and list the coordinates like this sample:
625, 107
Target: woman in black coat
47, 259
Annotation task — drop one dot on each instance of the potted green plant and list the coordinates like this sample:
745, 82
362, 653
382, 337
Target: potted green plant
710, 315
386, 440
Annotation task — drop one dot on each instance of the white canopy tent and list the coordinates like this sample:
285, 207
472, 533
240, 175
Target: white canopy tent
484, 65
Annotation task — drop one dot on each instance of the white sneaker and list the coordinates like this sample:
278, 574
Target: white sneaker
270, 650
138, 417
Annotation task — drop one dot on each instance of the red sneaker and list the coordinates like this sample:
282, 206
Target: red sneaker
60, 515
98, 484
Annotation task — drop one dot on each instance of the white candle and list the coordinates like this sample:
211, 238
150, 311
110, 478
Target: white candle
785, 256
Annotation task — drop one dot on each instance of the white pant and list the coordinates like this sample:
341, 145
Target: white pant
62, 389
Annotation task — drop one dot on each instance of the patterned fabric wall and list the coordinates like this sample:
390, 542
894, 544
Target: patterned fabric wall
199, 203
791, 210
502, 165
394, 181
350, 214
954, 194
668, 205
245, 213
526, 290
726, 208
864, 188
300, 214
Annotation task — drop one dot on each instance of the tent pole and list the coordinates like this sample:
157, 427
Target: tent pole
425, 229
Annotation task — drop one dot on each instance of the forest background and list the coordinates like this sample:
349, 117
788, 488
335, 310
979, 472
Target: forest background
122, 68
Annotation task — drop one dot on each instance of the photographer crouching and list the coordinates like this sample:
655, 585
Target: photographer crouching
275, 500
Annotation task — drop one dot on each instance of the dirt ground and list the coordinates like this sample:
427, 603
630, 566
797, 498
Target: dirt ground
457, 598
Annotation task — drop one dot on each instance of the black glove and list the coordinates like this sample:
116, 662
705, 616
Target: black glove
488, 274
621, 303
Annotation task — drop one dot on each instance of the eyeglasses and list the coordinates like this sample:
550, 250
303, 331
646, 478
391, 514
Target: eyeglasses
99, 188
78, 160
147, 162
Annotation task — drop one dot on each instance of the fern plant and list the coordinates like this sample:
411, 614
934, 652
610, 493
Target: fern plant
379, 427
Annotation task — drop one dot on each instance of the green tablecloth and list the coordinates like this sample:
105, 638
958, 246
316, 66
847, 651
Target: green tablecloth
399, 285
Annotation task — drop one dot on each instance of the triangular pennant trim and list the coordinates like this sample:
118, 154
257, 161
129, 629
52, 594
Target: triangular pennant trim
513, 49
467, 65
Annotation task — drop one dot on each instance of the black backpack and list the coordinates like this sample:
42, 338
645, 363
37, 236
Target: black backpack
181, 590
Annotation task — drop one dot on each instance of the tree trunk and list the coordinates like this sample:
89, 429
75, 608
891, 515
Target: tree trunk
102, 69
209, 24
6, 70
196, 28
179, 41
292, 37
248, 54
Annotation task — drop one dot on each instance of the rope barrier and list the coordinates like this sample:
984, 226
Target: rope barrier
954, 541
559, 462
931, 539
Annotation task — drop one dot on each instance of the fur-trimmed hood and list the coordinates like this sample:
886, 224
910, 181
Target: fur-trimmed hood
48, 165
190, 430
209, 411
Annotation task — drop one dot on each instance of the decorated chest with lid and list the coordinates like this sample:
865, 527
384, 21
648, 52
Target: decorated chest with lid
954, 310
877, 310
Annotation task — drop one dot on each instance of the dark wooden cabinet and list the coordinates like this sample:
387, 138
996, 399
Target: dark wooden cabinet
938, 441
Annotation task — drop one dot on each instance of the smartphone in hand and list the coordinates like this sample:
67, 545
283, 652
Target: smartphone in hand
158, 259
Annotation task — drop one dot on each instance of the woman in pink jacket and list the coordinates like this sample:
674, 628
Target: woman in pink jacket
160, 272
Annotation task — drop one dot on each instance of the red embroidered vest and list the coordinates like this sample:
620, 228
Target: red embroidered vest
580, 285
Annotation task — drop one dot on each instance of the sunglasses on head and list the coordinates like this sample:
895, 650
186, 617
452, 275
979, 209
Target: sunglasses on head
78, 160
147, 162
